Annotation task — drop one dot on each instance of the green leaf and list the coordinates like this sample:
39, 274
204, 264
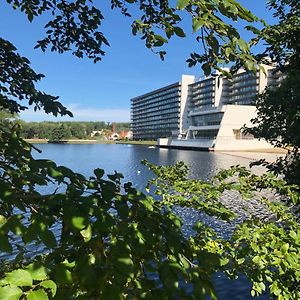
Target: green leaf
228, 51
63, 275
240, 260
256, 259
48, 238
224, 261
3, 281
243, 45
30, 17
87, 233
78, 222
37, 272
2, 220
10, 293
179, 32
19, 277
284, 248
206, 68
49, 284
37, 295
182, 4
5, 246
99, 173
197, 24
56, 174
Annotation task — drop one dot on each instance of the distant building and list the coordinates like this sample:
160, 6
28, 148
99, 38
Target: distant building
162, 112
114, 136
97, 133
218, 108
125, 135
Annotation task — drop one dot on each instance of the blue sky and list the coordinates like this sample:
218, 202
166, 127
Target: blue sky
102, 91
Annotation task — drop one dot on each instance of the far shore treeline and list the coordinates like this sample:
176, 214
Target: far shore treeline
70, 130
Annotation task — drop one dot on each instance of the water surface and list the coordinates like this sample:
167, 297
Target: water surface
126, 159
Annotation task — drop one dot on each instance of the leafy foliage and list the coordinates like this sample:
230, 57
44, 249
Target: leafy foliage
218, 39
266, 251
91, 238
77, 130
73, 26
278, 122
278, 108
17, 83
110, 242
282, 39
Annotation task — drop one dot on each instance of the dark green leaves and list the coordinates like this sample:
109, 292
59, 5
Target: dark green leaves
115, 242
99, 173
179, 32
20, 79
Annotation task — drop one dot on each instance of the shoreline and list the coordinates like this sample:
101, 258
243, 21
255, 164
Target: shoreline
84, 141
270, 157
145, 143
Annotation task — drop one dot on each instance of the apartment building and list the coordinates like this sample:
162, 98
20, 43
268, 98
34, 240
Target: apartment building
162, 112
218, 108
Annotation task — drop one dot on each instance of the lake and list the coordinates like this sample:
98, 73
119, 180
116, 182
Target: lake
84, 158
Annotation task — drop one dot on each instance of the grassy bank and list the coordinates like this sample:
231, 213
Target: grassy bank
75, 141
149, 143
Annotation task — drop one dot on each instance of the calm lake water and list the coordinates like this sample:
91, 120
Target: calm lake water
126, 159
83, 158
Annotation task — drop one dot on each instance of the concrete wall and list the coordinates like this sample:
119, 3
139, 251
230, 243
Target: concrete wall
263, 78
185, 81
218, 91
193, 144
235, 117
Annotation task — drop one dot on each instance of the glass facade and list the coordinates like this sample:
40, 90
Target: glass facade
156, 114
201, 94
243, 89
275, 78
207, 120
205, 134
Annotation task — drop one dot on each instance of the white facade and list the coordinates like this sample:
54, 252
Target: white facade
186, 80
218, 108
229, 135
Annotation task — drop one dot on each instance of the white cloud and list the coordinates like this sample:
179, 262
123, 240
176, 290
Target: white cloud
80, 114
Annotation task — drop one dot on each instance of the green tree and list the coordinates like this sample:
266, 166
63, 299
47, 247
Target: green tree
115, 242
278, 119
60, 133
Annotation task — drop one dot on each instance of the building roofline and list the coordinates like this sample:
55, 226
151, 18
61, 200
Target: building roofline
156, 91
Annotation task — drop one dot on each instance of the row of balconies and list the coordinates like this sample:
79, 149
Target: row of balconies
156, 102
146, 114
172, 105
156, 94
157, 119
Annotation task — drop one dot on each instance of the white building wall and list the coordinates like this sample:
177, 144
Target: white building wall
235, 117
263, 78
185, 81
